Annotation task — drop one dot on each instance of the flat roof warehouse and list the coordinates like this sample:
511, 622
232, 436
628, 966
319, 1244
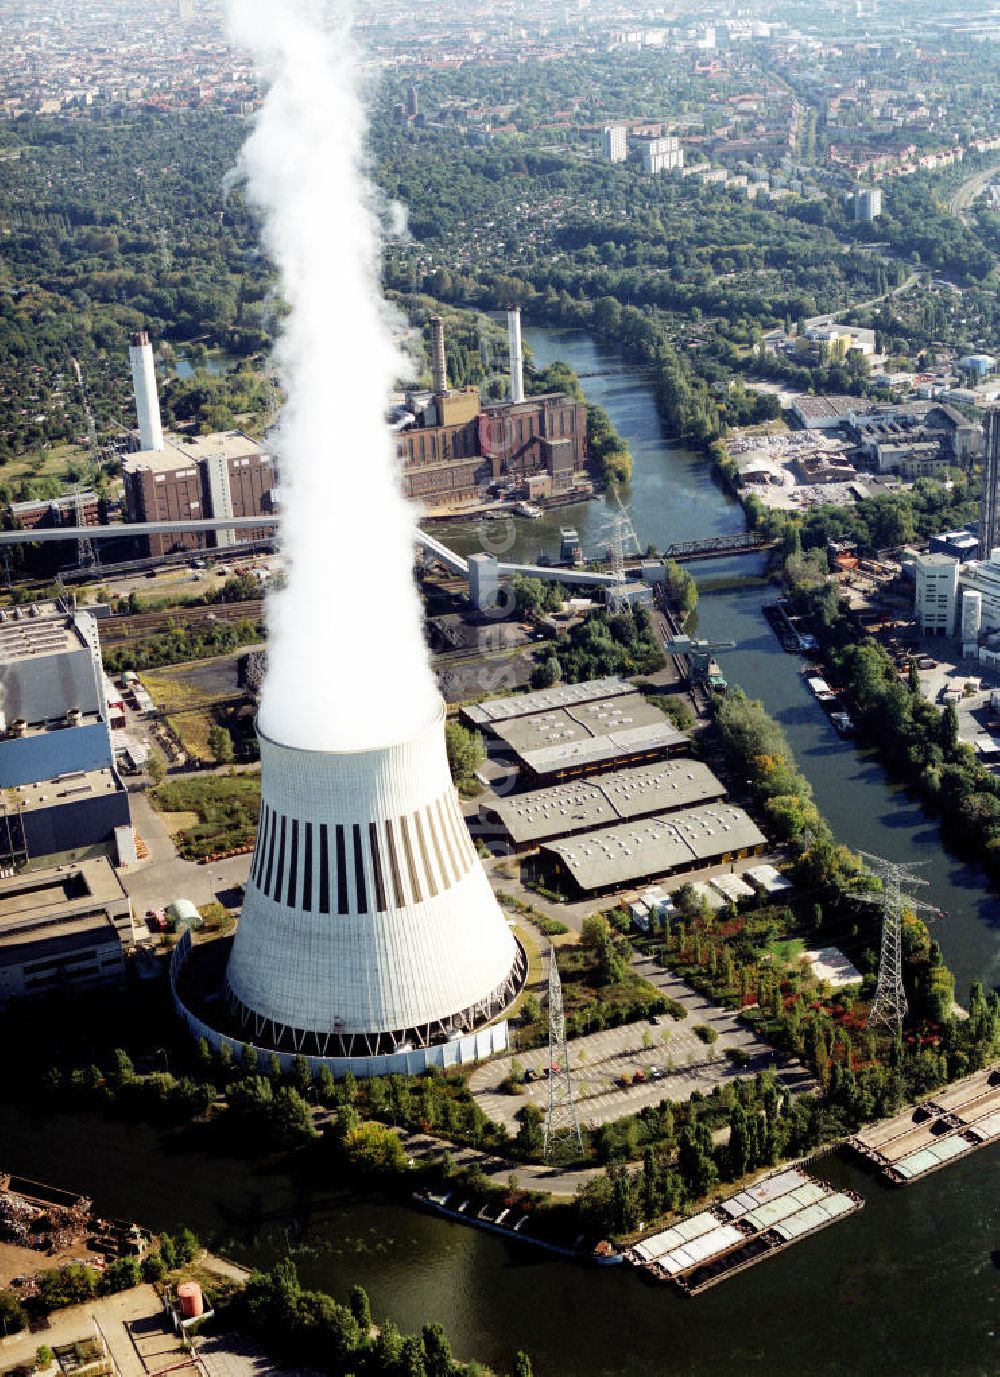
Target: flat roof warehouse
583, 805
663, 845
579, 728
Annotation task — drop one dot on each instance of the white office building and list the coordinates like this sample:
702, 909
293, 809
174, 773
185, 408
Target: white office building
982, 577
937, 594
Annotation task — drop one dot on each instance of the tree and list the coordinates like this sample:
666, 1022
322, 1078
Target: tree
376, 1148
220, 743
466, 752
13, 1316
437, 1352
44, 1357
530, 1139
156, 768
361, 1309
949, 729
695, 1162
325, 1085
300, 1076
291, 1121
188, 1246
122, 1275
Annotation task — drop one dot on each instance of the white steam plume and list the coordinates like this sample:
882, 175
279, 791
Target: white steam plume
347, 665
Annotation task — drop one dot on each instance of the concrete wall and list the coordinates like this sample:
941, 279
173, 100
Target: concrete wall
485, 1043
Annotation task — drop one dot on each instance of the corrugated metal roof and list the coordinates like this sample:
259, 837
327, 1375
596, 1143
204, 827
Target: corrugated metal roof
44, 688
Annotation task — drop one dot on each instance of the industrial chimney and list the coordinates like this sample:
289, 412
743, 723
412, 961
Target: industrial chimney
439, 367
147, 404
516, 361
369, 927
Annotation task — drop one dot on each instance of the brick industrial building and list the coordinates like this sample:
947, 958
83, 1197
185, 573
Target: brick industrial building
185, 478
223, 474
454, 449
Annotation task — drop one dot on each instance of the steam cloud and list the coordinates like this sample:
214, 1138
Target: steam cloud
347, 665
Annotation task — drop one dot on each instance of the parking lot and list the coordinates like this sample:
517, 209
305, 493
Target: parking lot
670, 1057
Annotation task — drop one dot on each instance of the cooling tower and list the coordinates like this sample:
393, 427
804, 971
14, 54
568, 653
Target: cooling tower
368, 924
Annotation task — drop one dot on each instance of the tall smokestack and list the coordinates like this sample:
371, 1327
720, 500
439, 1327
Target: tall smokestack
439, 366
147, 403
516, 361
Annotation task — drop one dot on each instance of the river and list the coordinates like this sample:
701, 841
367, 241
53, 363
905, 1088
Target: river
905, 1287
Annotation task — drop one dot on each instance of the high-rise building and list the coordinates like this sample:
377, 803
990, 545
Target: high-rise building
867, 205
663, 154
614, 143
412, 102
989, 504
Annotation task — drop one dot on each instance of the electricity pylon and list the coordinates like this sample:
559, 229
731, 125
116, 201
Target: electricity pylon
889, 1006
562, 1127
622, 538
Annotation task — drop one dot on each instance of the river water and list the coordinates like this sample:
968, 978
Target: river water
905, 1287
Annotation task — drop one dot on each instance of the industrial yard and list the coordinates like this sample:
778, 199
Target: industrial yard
43, 1226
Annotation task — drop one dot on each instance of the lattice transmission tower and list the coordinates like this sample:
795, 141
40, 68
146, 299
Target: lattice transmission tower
622, 539
889, 1006
562, 1127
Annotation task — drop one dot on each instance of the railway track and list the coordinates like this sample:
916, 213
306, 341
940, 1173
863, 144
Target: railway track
120, 630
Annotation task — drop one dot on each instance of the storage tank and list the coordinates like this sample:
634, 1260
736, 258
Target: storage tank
190, 1299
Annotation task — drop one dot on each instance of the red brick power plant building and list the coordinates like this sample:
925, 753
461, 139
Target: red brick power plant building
184, 478
453, 449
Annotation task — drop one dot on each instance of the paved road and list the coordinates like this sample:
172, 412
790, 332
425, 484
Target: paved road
963, 197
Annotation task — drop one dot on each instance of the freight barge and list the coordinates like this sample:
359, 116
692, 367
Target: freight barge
954, 1122
713, 1245
512, 1223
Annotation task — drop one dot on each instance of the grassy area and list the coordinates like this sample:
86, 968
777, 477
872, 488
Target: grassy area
591, 1005
227, 807
188, 706
54, 462
787, 950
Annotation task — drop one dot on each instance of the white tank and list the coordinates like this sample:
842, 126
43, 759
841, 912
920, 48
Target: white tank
368, 924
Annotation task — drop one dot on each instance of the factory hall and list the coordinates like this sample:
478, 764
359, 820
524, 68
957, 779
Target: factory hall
624, 801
